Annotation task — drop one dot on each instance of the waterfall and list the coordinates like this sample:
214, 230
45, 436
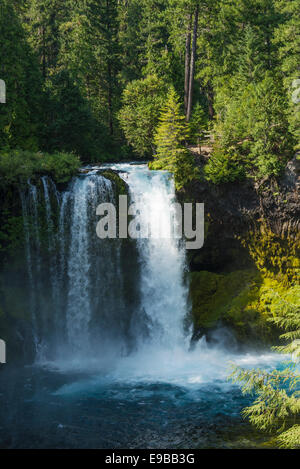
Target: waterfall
87, 193
163, 293
48, 186
28, 252
92, 297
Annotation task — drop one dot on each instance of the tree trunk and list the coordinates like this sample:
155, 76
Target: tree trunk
110, 73
187, 63
110, 107
210, 99
44, 54
193, 62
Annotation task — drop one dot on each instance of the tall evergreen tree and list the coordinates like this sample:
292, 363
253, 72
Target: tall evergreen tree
170, 139
43, 19
21, 115
287, 39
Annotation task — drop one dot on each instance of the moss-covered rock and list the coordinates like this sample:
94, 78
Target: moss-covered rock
275, 256
243, 300
119, 183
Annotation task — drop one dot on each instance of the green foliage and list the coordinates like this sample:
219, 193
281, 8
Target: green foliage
71, 126
277, 405
287, 318
18, 166
244, 300
145, 40
170, 137
172, 132
252, 131
91, 77
198, 124
287, 40
142, 101
290, 438
20, 116
276, 257
224, 167
42, 20
61, 166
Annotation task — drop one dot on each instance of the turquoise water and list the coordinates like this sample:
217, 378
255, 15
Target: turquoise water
51, 407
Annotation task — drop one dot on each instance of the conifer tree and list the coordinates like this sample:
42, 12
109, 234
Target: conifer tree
42, 19
172, 131
21, 115
287, 39
170, 140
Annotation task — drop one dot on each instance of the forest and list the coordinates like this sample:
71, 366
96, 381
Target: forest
208, 90
98, 79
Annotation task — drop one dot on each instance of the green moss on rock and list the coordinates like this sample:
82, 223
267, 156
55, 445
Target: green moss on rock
244, 300
119, 183
275, 256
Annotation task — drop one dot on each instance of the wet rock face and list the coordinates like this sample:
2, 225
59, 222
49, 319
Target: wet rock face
252, 229
120, 185
292, 173
19, 341
234, 210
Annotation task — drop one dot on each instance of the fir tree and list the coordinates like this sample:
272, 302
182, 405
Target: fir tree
287, 39
20, 117
172, 131
170, 139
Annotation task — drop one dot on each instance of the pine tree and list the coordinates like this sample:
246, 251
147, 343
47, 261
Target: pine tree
287, 39
172, 131
89, 45
170, 138
21, 115
69, 124
42, 19
153, 30
251, 66
130, 40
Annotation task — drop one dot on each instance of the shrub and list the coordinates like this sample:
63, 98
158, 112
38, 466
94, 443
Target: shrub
17, 166
224, 167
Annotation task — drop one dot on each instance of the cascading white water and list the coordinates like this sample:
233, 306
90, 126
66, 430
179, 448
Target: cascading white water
120, 306
87, 192
84, 276
79, 300
48, 186
163, 293
28, 250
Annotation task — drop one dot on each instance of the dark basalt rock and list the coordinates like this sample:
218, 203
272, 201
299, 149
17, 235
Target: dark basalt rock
235, 209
